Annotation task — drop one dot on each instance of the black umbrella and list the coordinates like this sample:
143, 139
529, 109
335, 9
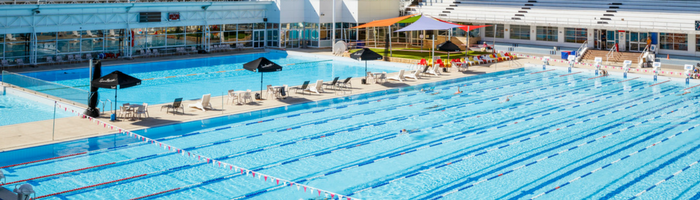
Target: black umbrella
94, 95
366, 54
116, 80
449, 47
262, 65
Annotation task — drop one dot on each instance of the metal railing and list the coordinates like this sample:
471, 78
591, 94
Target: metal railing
580, 50
610, 53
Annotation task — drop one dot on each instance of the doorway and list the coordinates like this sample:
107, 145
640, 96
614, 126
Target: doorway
637, 41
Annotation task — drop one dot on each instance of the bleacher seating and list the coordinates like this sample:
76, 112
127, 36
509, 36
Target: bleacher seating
647, 15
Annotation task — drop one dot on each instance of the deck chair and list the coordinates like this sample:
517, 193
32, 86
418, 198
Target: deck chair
49, 60
19, 62
10, 37
177, 104
317, 88
399, 77
247, 96
433, 71
202, 104
231, 96
333, 83
59, 59
346, 83
415, 75
303, 87
143, 111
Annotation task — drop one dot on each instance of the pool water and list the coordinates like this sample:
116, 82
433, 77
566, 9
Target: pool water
16, 110
558, 136
192, 78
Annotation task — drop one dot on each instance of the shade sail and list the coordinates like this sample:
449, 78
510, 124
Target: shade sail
427, 23
411, 19
465, 27
384, 22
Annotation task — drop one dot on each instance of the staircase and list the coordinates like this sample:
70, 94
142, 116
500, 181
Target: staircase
619, 57
609, 13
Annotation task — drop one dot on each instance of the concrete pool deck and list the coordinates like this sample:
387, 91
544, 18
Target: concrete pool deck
31, 134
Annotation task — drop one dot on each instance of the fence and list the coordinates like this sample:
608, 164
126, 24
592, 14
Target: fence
38, 86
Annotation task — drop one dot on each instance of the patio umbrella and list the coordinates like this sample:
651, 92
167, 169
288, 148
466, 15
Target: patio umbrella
366, 54
449, 47
116, 80
262, 65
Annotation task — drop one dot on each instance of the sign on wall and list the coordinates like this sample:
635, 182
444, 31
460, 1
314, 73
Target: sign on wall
697, 25
174, 16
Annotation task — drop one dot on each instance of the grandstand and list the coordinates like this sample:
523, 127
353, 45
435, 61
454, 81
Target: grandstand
597, 24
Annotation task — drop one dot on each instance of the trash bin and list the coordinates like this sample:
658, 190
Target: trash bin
565, 54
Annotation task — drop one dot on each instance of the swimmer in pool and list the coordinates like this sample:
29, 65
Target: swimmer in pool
409, 131
434, 93
507, 99
427, 90
431, 107
684, 93
458, 91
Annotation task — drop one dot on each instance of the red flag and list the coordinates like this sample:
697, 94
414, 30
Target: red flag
241, 171
332, 195
253, 174
219, 163
278, 181
231, 167
319, 192
349, 198
199, 157
188, 153
207, 160
265, 178
304, 188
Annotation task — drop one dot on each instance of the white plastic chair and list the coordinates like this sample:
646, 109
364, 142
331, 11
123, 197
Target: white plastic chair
318, 88
415, 75
202, 104
247, 97
143, 110
49, 60
399, 77
231, 96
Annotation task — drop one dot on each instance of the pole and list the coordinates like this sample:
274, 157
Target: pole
390, 52
115, 97
467, 48
495, 31
53, 130
366, 81
432, 49
261, 83
333, 35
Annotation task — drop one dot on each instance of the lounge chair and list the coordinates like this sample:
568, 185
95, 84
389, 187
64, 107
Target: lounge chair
487, 59
193, 50
333, 83
370, 76
346, 83
303, 87
88, 56
415, 75
177, 104
433, 71
202, 104
5, 63
399, 77
317, 88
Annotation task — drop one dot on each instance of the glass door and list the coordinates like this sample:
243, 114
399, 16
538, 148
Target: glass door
637, 41
610, 39
258, 38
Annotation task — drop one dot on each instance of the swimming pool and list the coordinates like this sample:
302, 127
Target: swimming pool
16, 109
192, 78
560, 136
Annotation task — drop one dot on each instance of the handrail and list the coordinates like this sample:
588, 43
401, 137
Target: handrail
610, 53
579, 52
646, 49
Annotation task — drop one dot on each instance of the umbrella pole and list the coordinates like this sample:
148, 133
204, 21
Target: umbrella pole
115, 99
366, 81
261, 84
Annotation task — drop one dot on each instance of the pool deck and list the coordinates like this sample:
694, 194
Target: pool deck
25, 135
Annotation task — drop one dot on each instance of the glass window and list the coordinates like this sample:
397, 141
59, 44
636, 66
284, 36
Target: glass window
112, 44
229, 37
215, 37
92, 34
489, 30
156, 31
92, 44
46, 48
194, 29
45, 36
214, 27
115, 32
697, 43
68, 35
230, 27
575, 35
673, 41
175, 30
68, 46
547, 33
520, 32
176, 39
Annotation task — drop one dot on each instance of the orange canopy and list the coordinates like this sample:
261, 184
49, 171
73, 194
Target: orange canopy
384, 22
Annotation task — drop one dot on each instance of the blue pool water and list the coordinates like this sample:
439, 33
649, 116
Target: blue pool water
17, 110
192, 78
558, 137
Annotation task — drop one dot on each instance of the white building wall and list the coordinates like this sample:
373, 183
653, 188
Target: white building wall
290, 11
348, 10
371, 10
312, 11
